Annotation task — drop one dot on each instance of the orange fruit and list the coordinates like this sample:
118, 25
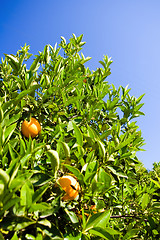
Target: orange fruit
31, 128
84, 80
70, 185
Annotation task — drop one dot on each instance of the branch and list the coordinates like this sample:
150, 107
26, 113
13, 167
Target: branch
128, 216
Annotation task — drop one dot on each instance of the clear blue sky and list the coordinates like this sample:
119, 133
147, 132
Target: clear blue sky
127, 31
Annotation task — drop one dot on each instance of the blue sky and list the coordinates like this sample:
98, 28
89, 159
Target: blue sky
127, 31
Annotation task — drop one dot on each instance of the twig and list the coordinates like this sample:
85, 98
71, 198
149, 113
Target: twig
128, 216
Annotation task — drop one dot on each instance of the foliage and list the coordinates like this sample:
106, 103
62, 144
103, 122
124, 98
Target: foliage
83, 135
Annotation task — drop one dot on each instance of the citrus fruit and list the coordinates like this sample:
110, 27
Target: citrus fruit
70, 185
31, 128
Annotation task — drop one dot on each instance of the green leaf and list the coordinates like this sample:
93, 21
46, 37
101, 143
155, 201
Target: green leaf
71, 237
55, 161
73, 99
24, 93
63, 39
152, 222
24, 159
41, 207
85, 60
155, 182
45, 222
112, 231
91, 133
19, 180
31, 237
13, 61
140, 98
78, 134
22, 147
2, 188
14, 171
15, 237
39, 193
23, 224
35, 65
145, 200
157, 176
98, 220
121, 174
1, 237
39, 179
12, 120
20, 82
72, 216
91, 112
91, 170
155, 207
2, 138
11, 151
1, 114
4, 176
75, 171
52, 233
12, 202
26, 194
46, 54
16, 223
126, 142
57, 66
102, 63
69, 126
9, 131
65, 148
101, 232
102, 150
130, 234
104, 179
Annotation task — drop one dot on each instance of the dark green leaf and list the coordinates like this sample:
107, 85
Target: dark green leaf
20, 223
39, 193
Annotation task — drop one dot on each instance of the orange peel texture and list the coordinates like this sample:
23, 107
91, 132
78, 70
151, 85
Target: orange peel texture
31, 128
70, 185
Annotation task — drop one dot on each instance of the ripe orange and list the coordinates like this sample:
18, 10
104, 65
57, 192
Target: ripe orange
31, 128
70, 185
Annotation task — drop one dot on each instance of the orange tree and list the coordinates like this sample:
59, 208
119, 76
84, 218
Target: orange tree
89, 142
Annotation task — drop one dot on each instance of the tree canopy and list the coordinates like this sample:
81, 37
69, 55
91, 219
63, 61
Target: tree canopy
87, 131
